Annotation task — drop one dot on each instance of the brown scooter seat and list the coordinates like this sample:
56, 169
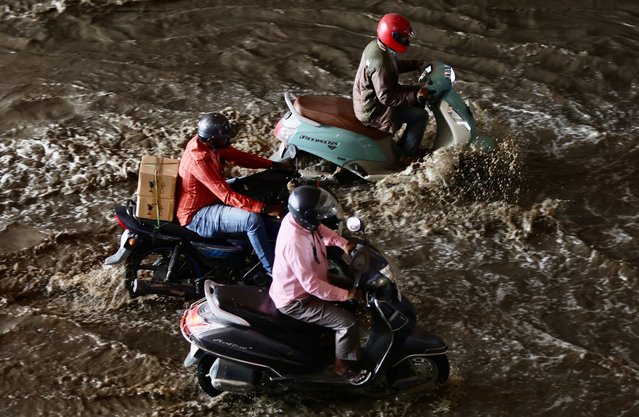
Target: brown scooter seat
335, 111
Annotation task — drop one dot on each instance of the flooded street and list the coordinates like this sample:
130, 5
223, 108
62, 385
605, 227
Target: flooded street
530, 273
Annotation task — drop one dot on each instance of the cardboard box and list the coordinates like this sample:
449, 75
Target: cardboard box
147, 208
158, 175
156, 187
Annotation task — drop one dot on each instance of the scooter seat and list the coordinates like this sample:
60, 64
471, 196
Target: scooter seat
173, 228
254, 305
335, 111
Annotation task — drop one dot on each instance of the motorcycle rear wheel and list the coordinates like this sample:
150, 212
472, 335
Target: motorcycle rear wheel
151, 262
204, 378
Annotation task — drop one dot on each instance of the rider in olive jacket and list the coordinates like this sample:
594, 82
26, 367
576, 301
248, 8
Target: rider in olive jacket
379, 100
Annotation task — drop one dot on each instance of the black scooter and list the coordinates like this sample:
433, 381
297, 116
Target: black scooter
241, 343
169, 259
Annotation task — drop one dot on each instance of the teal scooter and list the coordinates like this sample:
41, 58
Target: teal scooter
323, 136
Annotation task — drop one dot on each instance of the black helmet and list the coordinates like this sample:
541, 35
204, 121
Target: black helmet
215, 126
310, 205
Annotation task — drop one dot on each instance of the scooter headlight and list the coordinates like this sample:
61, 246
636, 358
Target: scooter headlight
458, 119
449, 73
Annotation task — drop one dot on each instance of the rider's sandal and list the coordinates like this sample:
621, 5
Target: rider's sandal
356, 377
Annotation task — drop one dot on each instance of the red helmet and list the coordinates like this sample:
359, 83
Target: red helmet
394, 31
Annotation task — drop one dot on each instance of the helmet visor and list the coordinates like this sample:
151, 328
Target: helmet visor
225, 139
404, 37
327, 206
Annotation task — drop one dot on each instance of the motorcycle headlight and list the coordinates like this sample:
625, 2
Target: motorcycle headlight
458, 119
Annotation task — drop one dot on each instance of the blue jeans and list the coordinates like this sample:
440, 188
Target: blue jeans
210, 220
416, 119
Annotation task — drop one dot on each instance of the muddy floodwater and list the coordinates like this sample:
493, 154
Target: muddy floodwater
530, 272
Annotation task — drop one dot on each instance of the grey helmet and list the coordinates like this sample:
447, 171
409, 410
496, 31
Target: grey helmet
310, 205
214, 126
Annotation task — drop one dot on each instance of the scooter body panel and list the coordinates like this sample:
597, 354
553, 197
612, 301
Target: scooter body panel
341, 146
209, 250
246, 345
371, 159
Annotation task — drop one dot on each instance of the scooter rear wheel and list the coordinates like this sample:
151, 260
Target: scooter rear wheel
203, 375
151, 262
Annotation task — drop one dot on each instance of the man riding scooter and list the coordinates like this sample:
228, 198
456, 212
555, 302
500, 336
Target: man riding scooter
301, 286
207, 204
379, 100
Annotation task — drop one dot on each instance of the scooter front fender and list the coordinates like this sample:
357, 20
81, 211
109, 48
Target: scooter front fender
423, 342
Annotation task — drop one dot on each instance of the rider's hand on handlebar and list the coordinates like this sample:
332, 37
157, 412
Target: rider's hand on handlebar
422, 93
274, 210
354, 294
350, 246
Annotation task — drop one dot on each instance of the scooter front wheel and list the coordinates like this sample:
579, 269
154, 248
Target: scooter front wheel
203, 375
419, 371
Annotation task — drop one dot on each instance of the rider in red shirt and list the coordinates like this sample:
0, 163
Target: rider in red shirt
207, 204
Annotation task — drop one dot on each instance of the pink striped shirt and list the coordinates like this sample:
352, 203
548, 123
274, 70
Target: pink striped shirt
201, 179
301, 266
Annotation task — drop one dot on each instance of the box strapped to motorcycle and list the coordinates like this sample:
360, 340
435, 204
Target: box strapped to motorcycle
156, 188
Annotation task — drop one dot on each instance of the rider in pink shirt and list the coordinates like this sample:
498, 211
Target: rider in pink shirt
301, 266
301, 287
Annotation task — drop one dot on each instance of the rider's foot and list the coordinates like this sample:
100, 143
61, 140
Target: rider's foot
406, 161
355, 377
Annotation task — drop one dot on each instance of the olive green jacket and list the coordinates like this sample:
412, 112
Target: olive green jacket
377, 91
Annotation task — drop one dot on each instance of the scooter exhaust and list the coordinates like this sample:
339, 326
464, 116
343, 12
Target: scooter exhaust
230, 376
144, 287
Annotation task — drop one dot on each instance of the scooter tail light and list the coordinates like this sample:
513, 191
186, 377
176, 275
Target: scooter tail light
122, 225
277, 129
193, 323
283, 132
183, 324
